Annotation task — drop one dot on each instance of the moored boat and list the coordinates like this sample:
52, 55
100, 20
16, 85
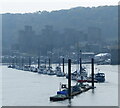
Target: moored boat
50, 71
26, 68
75, 90
100, 77
58, 72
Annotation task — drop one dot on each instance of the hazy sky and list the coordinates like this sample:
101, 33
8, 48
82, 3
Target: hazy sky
22, 6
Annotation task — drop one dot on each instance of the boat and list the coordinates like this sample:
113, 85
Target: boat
77, 74
59, 73
41, 69
33, 69
88, 80
100, 77
50, 71
17, 67
11, 66
75, 90
26, 68
73, 75
81, 79
44, 71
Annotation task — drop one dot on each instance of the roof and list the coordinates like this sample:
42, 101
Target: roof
102, 54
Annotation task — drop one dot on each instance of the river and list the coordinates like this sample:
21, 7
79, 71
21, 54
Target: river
24, 88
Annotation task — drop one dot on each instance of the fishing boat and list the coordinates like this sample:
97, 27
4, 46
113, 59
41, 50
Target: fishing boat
77, 73
59, 73
50, 71
26, 68
11, 66
86, 79
75, 90
81, 79
33, 69
21, 68
41, 69
44, 71
17, 67
73, 75
83, 72
100, 77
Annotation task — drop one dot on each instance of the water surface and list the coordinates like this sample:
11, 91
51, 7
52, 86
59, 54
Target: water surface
23, 88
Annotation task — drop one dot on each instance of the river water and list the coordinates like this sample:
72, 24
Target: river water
24, 88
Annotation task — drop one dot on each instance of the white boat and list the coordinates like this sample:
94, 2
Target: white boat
26, 68
59, 73
40, 70
50, 71
77, 73
33, 69
81, 79
73, 75
45, 71
11, 66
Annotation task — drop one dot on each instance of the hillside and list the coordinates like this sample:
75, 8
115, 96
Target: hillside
78, 18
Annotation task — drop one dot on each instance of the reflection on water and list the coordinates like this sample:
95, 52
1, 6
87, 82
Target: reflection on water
93, 91
69, 101
23, 88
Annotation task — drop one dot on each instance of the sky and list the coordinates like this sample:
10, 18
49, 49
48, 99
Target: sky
25, 6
